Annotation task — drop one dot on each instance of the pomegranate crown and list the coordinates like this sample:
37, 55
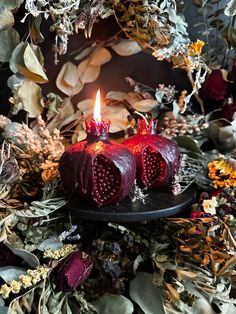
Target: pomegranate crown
97, 131
145, 127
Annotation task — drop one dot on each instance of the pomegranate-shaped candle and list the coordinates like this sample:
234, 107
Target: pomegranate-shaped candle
98, 169
157, 157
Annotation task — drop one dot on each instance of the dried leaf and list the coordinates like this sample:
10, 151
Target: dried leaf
186, 275
35, 33
9, 39
66, 111
31, 62
17, 56
118, 117
112, 303
86, 106
133, 98
88, 73
145, 105
79, 135
52, 243
126, 47
138, 260
8, 273
42, 208
30, 96
22, 304
146, 294
84, 53
173, 294
116, 95
68, 80
188, 144
11, 4
6, 19
99, 57
15, 81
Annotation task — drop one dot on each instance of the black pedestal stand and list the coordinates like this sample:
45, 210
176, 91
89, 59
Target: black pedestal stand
159, 203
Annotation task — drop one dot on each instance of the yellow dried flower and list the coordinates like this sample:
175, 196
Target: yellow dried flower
5, 291
59, 253
196, 47
25, 280
15, 286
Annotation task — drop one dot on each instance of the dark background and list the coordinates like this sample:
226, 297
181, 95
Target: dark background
142, 67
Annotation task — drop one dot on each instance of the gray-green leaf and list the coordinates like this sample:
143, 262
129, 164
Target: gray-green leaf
146, 294
6, 18
8, 273
9, 39
112, 303
11, 4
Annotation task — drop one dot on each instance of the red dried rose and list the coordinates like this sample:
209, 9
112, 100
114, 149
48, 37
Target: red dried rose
199, 214
216, 86
72, 271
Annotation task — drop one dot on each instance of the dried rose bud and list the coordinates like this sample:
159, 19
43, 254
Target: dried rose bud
72, 271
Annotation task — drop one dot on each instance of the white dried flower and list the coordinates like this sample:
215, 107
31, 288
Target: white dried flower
210, 205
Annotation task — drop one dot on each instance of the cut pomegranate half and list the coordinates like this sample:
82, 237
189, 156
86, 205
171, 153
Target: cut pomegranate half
107, 180
154, 168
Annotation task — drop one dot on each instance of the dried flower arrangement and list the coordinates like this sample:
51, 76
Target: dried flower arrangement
48, 264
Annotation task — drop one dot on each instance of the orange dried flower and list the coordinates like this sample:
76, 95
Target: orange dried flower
196, 47
222, 173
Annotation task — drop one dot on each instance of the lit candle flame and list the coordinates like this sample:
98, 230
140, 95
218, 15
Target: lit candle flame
97, 108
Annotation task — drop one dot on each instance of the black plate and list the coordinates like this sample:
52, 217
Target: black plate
159, 203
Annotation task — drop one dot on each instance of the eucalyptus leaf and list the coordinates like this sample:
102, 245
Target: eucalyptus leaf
35, 33
116, 95
11, 4
118, 117
148, 296
28, 257
30, 96
88, 73
17, 56
35, 71
6, 18
86, 106
66, 111
68, 80
4, 310
188, 144
42, 208
138, 260
15, 81
99, 57
84, 53
112, 303
52, 243
38, 53
145, 105
126, 47
8, 273
22, 304
9, 39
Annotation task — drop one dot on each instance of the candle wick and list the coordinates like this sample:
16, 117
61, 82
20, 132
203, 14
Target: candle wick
141, 115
